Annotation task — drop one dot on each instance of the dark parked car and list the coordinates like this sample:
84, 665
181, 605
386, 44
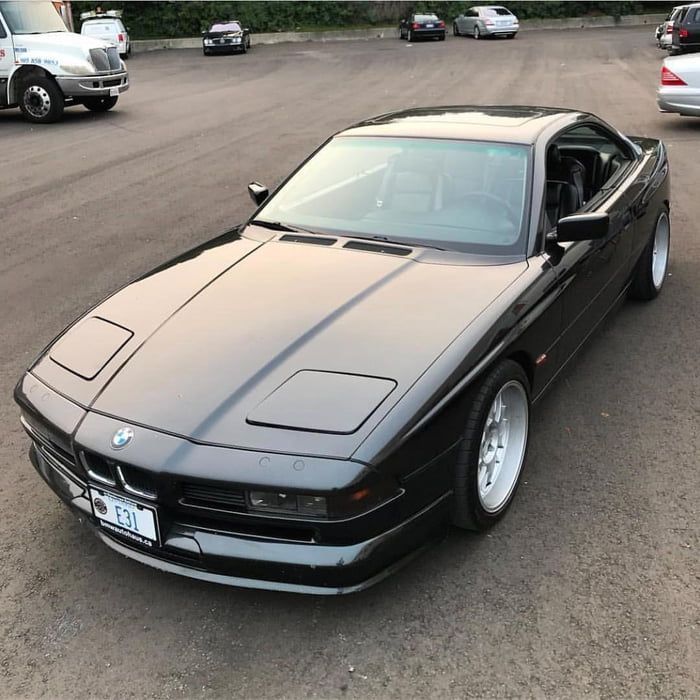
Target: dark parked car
306, 401
686, 30
422, 26
225, 37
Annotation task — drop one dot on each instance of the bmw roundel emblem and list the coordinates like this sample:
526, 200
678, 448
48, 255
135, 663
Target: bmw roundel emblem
122, 438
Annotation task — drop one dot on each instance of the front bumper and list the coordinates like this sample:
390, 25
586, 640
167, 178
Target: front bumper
223, 48
101, 85
252, 561
681, 100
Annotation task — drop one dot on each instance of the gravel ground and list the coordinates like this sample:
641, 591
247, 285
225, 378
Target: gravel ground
590, 587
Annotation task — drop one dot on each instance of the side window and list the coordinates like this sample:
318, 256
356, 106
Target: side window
3, 33
580, 162
696, 16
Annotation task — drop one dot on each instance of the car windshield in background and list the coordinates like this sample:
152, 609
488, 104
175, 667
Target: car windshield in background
496, 11
467, 196
31, 17
425, 18
225, 27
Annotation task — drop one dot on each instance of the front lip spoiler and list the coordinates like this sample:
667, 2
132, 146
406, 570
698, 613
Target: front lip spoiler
240, 582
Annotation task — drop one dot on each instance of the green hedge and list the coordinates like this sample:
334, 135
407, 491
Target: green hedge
161, 19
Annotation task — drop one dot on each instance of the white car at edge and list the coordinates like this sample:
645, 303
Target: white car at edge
679, 90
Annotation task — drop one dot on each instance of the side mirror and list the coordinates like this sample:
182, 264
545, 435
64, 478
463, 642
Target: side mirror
246, 30
581, 227
258, 193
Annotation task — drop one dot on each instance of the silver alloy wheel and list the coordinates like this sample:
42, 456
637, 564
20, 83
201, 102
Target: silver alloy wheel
503, 445
659, 254
37, 101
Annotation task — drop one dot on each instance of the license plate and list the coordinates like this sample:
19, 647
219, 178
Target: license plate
114, 92
429, 26
125, 517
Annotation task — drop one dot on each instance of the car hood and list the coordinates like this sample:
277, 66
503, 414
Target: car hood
57, 42
274, 346
216, 35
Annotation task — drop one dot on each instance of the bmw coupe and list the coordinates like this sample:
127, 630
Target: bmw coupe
306, 401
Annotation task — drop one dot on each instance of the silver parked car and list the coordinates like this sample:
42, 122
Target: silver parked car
664, 32
679, 90
486, 21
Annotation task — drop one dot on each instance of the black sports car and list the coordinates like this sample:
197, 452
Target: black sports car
225, 37
309, 399
422, 26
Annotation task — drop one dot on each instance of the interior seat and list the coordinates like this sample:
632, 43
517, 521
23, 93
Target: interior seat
568, 170
412, 184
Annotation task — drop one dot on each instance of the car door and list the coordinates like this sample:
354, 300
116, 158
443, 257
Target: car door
467, 21
593, 273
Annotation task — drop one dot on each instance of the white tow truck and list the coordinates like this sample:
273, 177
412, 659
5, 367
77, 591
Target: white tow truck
44, 67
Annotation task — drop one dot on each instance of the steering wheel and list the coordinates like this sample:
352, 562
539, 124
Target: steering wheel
513, 217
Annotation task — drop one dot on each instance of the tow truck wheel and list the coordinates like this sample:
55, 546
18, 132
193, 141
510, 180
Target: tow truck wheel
99, 104
41, 100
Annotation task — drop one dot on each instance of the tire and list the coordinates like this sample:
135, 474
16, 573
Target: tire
511, 36
442, 37
409, 36
476, 33
484, 487
650, 271
206, 52
99, 104
455, 29
41, 100
244, 48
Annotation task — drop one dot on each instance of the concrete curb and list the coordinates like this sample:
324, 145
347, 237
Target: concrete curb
604, 21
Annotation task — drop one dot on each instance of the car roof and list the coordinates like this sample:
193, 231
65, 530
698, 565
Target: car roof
512, 124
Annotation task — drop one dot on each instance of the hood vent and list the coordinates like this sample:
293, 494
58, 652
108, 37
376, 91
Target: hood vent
311, 240
378, 248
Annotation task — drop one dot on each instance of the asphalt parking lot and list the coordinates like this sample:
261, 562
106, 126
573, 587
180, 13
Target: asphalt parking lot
590, 586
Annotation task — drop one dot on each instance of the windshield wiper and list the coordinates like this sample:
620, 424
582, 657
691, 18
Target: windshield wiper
384, 239
279, 226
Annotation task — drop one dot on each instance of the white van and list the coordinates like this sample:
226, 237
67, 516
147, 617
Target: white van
44, 67
108, 27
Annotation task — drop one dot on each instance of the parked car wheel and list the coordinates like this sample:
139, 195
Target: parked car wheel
442, 36
511, 36
477, 32
99, 104
409, 35
244, 47
455, 29
494, 444
650, 273
41, 100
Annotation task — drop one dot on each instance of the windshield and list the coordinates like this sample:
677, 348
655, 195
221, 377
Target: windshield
459, 195
225, 27
31, 17
496, 11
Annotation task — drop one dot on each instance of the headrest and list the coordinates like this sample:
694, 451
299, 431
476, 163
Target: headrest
553, 156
